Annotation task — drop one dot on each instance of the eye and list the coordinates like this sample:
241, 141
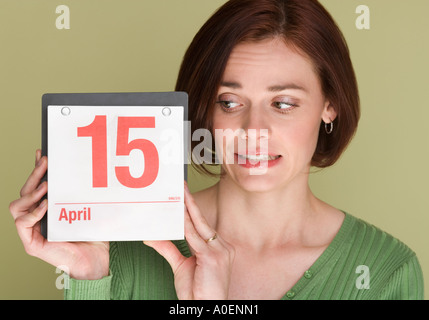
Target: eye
284, 106
229, 104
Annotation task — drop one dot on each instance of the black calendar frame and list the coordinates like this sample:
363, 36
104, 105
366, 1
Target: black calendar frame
167, 99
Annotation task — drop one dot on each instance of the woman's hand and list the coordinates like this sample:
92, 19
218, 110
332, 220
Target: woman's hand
81, 260
206, 274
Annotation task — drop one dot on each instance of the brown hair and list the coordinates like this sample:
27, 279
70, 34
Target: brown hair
304, 24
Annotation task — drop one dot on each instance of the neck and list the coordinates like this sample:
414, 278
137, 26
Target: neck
264, 219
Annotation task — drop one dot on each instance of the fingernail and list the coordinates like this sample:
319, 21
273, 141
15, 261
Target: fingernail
148, 243
39, 162
186, 187
43, 203
40, 186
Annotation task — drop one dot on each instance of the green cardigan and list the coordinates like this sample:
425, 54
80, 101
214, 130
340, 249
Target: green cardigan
362, 262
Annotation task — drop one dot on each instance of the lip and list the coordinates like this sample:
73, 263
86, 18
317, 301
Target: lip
252, 164
259, 153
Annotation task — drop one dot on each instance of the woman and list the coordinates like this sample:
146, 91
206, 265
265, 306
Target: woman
278, 74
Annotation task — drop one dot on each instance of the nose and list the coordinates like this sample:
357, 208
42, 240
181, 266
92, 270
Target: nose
256, 125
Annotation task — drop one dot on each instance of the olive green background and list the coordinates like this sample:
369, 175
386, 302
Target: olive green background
133, 46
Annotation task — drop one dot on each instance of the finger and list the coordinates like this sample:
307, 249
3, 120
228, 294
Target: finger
169, 251
38, 156
199, 222
197, 243
35, 177
25, 204
26, 223
194, 239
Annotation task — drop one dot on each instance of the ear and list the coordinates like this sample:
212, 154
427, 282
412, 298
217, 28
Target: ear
329, 113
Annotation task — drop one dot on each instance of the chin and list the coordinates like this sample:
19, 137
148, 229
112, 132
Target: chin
262, 182
265, 179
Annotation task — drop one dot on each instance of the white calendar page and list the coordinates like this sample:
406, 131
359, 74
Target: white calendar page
115, 173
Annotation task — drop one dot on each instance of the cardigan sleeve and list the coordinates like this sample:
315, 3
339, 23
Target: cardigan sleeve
406, 283
107, 288
136, 272
88, 289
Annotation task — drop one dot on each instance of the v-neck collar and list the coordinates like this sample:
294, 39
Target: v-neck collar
326, 255
347, 223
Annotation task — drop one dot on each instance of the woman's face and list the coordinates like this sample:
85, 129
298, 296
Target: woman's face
271, 98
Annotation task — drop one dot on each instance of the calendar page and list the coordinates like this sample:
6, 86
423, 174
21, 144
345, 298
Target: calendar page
115, 173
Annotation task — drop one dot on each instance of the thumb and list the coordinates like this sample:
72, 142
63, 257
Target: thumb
169, 251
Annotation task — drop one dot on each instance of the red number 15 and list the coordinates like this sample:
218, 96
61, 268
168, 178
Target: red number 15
97, 130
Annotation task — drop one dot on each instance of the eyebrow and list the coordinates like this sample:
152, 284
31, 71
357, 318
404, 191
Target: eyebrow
232, 85
276, 88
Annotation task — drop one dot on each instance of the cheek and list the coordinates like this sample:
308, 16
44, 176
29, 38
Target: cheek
222, 121
225, 132
221, 142
226, 144
301, 140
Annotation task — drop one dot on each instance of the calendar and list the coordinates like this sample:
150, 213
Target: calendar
115, 172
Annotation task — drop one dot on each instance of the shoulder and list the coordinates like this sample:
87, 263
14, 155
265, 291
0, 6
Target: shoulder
139, 272
131, 257
132, 252
125, 258
377, 243
393, 267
